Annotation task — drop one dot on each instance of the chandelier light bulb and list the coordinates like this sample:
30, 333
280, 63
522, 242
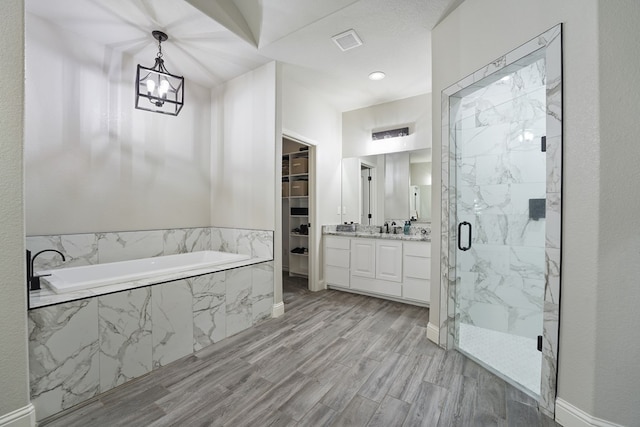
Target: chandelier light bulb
164, 88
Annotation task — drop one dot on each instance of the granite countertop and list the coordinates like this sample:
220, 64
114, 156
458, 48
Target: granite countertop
416, 233
46, 296
389, 236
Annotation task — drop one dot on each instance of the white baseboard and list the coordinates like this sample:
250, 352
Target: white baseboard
433, 333
277, 310
23, 417
568, 415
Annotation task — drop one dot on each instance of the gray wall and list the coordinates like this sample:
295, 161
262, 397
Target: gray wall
599, 341
617, 343
14, 392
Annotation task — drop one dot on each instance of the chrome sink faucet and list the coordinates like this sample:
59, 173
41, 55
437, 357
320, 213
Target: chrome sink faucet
33, 282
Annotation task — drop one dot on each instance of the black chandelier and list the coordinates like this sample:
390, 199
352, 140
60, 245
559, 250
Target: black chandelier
157, 89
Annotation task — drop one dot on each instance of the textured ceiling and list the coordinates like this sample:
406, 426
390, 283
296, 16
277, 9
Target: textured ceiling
212, 41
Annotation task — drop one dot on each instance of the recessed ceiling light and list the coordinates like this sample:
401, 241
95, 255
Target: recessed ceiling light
377, 75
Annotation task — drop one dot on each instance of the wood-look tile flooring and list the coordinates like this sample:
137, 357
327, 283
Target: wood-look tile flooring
334, 359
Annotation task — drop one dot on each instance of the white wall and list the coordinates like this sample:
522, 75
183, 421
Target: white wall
357, 126
92, 161
306, 115
14, 372
243, 151
598, 371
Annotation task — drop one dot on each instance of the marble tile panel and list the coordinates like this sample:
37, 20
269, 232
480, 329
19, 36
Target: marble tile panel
552, 272
549, 357
486, 259
529, 164
78, 249
554, 165
257, 243
554, 88
553, 220
484, 141
488, 316
209, 309
224, 240
129, 245
63, 355
124, 322
262, 291
527, 262
185, 240
238, 303
172, 322
526, 323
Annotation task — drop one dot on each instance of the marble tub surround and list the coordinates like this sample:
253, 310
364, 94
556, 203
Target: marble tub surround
79, 349
63, 355
420, 232
97, 248
45, 296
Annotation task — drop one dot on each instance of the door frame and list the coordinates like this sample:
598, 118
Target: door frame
551, 41
314, 229
373, 196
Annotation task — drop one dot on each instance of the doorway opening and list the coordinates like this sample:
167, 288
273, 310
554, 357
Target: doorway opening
367, 193
297, 210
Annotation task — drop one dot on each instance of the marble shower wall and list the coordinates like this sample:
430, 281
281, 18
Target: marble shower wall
82, 348
499, 167
98, 248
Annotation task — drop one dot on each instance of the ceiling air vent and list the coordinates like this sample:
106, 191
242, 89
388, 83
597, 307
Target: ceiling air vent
347, 40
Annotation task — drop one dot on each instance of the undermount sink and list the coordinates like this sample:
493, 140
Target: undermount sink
350, 228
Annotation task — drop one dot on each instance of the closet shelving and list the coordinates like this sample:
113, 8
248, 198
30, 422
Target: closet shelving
295, 212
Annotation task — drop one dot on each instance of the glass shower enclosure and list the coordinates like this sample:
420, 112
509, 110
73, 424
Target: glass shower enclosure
499, 173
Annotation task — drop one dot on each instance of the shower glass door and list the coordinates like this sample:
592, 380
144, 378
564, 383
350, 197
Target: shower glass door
499, 175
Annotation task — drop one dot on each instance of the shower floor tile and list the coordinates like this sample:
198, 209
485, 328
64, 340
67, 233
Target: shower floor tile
513, 356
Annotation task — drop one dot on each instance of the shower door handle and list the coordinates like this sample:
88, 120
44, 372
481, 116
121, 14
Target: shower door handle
463, 248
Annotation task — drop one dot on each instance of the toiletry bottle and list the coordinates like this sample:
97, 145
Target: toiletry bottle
407, 226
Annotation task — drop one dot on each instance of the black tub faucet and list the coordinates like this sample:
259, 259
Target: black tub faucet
33, 281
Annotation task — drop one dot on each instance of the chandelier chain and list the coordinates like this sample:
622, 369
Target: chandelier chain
159, 55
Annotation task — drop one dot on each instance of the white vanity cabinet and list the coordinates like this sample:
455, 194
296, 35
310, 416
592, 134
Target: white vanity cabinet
416, 277
376, 266
393, 269
336, 260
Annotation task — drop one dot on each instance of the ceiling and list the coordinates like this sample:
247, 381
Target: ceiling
213, 41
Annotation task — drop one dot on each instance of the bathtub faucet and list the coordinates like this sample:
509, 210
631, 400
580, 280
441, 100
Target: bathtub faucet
33, 281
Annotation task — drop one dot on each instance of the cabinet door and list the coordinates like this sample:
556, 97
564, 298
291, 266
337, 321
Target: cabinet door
363, 258
389, 260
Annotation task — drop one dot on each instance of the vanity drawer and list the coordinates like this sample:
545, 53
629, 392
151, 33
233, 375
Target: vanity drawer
375, 286
421, 249
337, 242
417, 267
336, 257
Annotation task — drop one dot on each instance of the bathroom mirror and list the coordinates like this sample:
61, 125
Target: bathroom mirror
393, 186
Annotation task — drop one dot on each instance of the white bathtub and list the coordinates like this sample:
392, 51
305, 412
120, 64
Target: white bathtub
93, 276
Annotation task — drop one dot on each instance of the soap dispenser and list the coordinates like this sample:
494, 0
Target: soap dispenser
407, 227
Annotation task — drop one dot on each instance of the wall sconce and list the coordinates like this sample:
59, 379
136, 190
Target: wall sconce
158, 90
